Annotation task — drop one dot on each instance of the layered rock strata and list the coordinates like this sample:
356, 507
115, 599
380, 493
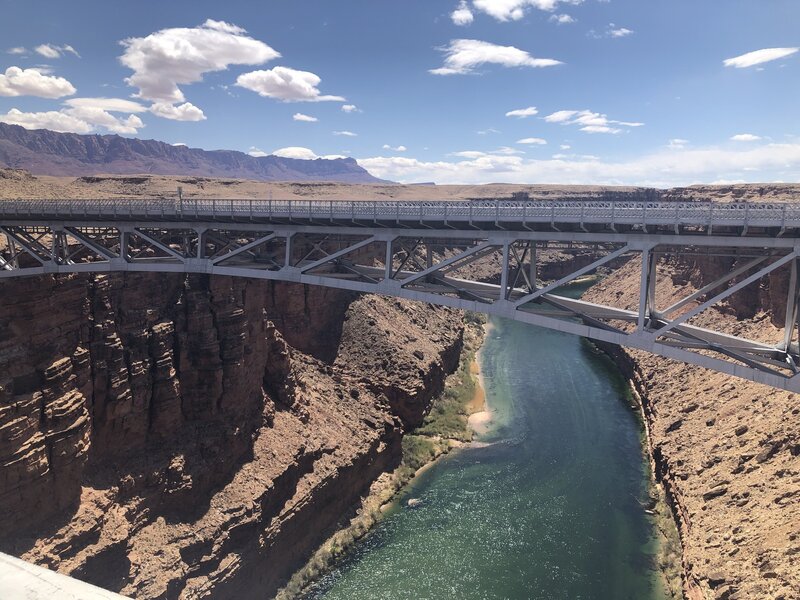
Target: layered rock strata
161, 438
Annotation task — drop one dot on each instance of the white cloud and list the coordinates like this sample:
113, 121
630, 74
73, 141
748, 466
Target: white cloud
532, 140
285, 84
620, 32
84, 115
304, 118
677, 144
32, 82
97, 117
53, 120
589, 121
295, 152
109, 104
663, 168
565, 147
350, 108
759, 57
17, 50
256, 152
463, 56
171, 57
462, 15
177, 112
523, 112
395, 149
52, 51
514, 10
612, 31
345, 133
561, 19
745, 137
487, 131
179, 144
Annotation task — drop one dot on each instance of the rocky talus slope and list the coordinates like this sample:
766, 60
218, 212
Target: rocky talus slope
167, 436
727, 451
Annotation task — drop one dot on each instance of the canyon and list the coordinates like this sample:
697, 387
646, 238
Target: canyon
168, 436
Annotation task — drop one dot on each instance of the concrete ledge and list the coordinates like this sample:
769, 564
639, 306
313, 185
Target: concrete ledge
20, 580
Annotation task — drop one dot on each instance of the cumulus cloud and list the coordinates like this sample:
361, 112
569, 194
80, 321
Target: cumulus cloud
677, 143
177, 112
589, 121
52, 51
83, 115
350, 108
562, 19
17, 50
304, 118
514, 10
345, 133
464, 56
53, 120
295, 152
532, 140
285, 84
523, 112
745, 137
168, 58
662, 168
32, 82
759, 57
257, 152
462, 15
395, 149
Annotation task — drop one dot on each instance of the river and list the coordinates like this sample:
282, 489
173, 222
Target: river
549, 509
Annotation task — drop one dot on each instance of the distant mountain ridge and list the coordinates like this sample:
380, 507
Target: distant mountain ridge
45, 152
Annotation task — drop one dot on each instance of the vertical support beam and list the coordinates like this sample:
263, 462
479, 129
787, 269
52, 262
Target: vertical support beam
791, 307
388, 260
504, 274
651, 284
201, 243
124, 245
287, 261
643, 288
428, 255
533, 267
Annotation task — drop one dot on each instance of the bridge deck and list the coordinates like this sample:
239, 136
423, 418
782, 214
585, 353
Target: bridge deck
746, 217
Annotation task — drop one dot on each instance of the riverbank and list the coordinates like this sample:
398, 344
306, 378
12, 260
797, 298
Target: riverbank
446, 427
723, 449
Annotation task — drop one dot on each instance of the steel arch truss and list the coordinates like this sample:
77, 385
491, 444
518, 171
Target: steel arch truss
497, 272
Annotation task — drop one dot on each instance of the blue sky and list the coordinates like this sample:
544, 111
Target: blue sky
618, 91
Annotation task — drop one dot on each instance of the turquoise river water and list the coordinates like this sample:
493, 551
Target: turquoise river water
548, 509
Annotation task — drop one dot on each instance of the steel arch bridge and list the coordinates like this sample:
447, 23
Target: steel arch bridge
428, 251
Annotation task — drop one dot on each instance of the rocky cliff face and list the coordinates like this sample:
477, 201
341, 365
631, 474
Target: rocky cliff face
45, 152
727, 451
161, 437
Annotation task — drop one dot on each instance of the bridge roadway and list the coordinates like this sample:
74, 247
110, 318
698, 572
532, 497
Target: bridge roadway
433, 252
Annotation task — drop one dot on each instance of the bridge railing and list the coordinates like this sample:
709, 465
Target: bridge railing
479, 211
